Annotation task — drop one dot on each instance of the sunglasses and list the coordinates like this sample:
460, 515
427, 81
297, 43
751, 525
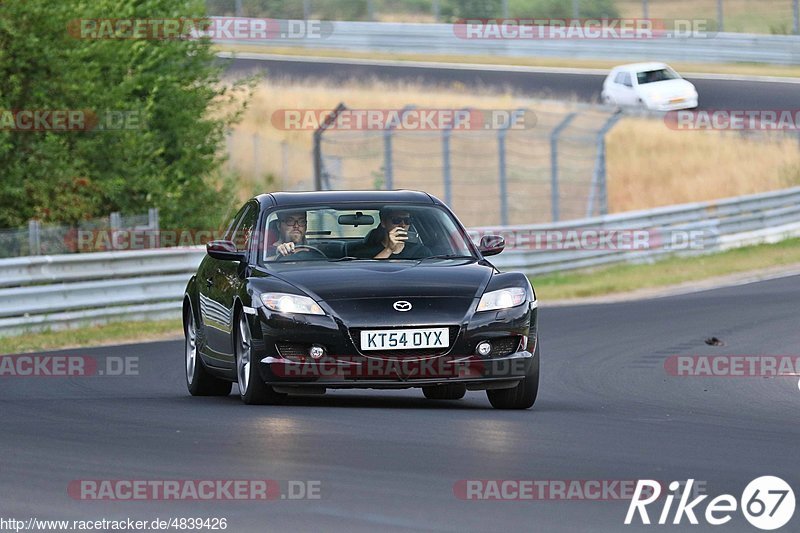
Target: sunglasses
294, 222
401, 220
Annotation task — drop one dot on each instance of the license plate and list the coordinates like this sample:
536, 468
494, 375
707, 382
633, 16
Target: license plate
405, 339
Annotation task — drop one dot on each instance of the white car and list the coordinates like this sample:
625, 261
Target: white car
655, 86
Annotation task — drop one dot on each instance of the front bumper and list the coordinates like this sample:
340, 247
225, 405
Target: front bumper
683, 103
378, 373
345, 366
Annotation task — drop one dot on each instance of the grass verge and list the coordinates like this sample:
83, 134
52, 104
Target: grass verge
112, 333
670, 271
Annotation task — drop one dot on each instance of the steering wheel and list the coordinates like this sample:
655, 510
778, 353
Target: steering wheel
302, 249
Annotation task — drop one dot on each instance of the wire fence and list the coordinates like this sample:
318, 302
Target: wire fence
50, 239
553, 171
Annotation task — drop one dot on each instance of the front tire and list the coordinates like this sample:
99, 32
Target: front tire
252, 389
523, 396
198, 380
451, 391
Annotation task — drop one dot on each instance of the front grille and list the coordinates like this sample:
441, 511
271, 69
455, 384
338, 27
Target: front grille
504, 346
355, 336
293, 350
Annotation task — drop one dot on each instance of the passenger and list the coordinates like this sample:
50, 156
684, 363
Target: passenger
390, 239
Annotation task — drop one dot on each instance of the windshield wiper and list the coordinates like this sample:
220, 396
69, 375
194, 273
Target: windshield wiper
345, 258
449, 256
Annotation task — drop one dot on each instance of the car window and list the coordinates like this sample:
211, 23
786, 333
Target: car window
243, 233
235, 222
652, 76
626, 79
619, 77
356, 231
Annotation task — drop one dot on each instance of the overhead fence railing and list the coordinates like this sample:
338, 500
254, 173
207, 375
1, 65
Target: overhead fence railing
454, 39
60, 291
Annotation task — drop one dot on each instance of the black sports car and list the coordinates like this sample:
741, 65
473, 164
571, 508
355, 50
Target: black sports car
358, 289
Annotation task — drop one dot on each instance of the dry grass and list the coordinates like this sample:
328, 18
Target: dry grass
750, 16
286, 155
651, 165
648, 164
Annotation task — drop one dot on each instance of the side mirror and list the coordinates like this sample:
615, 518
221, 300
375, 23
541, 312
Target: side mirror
491, 245
224, 250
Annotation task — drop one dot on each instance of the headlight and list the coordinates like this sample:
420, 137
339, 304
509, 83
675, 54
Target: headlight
290, 303
502, 299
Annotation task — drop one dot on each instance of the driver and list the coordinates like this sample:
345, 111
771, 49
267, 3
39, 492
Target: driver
292, 227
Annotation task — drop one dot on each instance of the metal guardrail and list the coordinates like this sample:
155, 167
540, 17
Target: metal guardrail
441, 39
59, 291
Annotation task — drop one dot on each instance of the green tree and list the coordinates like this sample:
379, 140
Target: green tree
169, 107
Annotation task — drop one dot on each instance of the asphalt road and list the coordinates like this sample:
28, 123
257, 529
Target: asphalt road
388, 461
714, 93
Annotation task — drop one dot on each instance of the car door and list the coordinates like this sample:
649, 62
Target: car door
231, 275
216, 296
626, 95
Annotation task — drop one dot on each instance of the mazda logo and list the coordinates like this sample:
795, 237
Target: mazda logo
402, 305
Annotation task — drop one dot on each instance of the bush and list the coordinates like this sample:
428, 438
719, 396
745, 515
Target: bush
171, 87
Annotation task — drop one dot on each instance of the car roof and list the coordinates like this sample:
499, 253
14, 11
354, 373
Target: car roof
329, 197
639, 67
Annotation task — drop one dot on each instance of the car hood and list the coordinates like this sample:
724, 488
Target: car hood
386, 279
363, 293
666, 88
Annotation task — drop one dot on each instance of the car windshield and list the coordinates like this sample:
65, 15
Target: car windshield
355, 232
652, 76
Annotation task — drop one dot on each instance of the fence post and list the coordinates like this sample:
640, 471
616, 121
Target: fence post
153, 224
388, 167
319, 172
576, 9
501, 164
645, 10
720, 16
437, 11
554, 195
796, 11
388, 176
34, 237
446, 177
446, 172
238, 8
599, 186
306, 9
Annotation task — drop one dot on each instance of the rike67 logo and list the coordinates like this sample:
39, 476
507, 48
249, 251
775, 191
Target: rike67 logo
767, 503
